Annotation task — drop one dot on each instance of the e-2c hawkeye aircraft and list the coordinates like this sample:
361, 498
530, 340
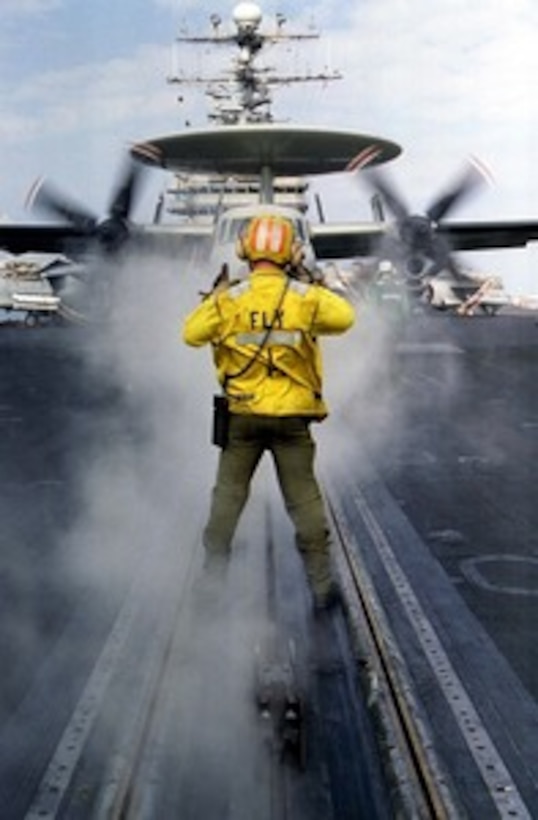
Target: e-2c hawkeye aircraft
247, 145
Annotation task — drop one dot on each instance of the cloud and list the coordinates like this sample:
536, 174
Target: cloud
175, 5
72, 124
444, 83
457, 64
28, 7
119, 90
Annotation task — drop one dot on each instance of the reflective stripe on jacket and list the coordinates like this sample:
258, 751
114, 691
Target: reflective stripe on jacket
248, 322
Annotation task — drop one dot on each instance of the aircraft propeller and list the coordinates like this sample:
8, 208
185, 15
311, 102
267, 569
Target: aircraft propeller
416, 241
110, 233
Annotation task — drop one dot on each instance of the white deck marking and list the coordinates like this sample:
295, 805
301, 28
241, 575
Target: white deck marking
502, 789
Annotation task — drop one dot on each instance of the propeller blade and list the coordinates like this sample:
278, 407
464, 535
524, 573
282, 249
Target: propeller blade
472, 178
108, 234
388, 193
45, 197
416, 243
126, 192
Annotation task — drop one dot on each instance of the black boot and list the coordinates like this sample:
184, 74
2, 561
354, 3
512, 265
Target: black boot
327, 600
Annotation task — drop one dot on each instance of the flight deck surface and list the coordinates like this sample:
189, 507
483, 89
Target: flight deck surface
442, 507
438, 498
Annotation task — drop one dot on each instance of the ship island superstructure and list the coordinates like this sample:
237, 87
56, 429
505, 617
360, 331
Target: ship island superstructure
240, 95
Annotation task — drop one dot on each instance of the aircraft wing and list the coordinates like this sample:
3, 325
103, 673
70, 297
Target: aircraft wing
46, 238
72, 241
468, 236
342, 241
330, 241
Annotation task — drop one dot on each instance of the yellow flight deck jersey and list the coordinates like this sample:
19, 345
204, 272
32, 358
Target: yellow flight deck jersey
272, 322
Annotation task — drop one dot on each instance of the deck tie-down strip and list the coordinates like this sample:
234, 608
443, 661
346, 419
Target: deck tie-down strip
501, 787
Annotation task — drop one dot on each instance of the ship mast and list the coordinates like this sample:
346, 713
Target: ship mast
241, 95
244, 93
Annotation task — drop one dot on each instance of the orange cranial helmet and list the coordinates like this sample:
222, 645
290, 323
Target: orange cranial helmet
268, 237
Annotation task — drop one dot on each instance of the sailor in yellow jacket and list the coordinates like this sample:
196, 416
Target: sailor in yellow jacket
264, 334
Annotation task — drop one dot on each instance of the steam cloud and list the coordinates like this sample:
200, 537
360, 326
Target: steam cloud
145, 489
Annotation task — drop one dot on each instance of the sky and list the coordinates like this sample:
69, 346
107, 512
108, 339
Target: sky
80, 82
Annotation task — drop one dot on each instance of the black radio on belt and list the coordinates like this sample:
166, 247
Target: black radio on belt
221, 421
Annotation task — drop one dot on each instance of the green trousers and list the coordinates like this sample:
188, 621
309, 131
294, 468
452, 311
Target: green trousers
290, 443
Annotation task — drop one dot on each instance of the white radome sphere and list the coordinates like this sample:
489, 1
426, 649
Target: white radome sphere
247, 14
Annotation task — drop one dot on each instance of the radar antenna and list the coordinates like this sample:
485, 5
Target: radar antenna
243, 94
